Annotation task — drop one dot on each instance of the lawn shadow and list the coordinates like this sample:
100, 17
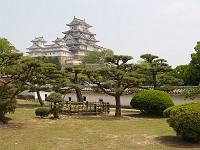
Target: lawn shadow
12, 125
21, 105
107, 117
42, 118
142, 115
177, 142
126, 115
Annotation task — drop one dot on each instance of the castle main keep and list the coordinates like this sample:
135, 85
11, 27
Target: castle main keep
75, 44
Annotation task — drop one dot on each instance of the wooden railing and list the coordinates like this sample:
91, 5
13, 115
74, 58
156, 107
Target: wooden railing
90, 108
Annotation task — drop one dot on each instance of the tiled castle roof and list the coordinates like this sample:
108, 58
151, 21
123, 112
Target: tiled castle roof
77, 21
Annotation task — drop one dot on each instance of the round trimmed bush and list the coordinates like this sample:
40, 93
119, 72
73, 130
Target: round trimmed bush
185, 120
42, 112
166, 112
151, 101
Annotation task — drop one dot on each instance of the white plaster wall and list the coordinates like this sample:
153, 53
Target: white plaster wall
125, 100
42, 93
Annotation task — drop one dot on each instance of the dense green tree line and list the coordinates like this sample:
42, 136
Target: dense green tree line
115, 77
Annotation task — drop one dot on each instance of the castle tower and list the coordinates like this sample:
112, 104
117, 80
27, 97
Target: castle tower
38, 41
79, 39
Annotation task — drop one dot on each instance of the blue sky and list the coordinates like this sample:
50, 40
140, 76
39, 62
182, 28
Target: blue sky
167, 28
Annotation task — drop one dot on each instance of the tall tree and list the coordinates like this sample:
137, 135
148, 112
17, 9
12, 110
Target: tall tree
155, 67
8, 61
116, 79
54, 60
17, 72
7, 90
193, 73
193, 68
44, 77
75, 72
20, 73
182, 72
189, 73
6, 46
97, 57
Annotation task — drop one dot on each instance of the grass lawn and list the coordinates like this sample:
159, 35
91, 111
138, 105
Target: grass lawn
105, 132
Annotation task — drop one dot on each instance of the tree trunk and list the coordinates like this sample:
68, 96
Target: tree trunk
78, 90
154, 82
39, 98
79, 94
2, 117
56, 111
118, 106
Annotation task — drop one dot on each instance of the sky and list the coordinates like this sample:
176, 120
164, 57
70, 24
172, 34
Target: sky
169, 29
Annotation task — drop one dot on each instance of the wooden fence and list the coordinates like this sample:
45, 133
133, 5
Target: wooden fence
87, 107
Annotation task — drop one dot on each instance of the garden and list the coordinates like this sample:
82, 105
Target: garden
131, 131
154, 122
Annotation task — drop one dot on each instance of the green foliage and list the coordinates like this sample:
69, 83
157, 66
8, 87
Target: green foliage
8, 100
155, 68
56, 112
57, 101
166, 82
8, 90
185, 120
6, 46
192, 75
151, 101
115, 78
54, 60
182, 72
97, 57
55, 98
42, 112
45, 74
191, 93
166, 112
76, 78
75, 74
17, 74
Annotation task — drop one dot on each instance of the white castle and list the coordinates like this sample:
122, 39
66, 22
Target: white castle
76, 43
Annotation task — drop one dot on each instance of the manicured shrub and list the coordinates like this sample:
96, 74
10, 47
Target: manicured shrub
151, 101
166, 112
42, 112
185, 120
57, 103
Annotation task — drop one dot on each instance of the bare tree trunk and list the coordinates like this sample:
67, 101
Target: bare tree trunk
2, 117
154, 82
79, 94
118, 106
56, 111
78, 90
39, 98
